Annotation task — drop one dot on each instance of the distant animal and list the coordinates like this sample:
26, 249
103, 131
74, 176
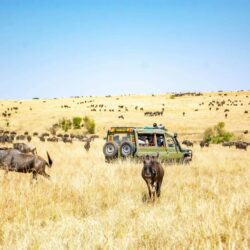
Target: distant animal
188, 143
152, 173
227, 144
241, 145
67, 140
14, 160
87, 145
42, 138
204, 144
24, 148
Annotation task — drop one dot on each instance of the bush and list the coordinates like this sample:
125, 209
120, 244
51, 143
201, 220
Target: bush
217, 134
77, 122
89, 124
65, 124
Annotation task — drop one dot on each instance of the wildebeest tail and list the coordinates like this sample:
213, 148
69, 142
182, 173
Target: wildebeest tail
49, 160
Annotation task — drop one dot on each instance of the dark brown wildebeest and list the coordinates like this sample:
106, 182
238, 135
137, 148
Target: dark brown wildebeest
42, 138
24, 148
188, 143
13, 160
152, 173
227, 144
204, 144
67, 140
241, 145
87, 145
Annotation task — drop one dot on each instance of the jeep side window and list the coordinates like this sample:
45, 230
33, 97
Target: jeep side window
170, 142
146, 140
160, 140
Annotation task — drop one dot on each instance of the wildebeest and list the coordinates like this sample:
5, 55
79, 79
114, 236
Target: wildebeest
87, 145
152, 173
67, 140
24, 148
241, 145
14, 160
188, 143
227, 144
204, 144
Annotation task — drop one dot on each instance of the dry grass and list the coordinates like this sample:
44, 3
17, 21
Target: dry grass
91, 204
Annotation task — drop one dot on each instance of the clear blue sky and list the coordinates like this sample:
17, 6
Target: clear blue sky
58, 48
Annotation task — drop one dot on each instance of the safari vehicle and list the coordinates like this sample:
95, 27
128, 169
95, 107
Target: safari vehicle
123, 142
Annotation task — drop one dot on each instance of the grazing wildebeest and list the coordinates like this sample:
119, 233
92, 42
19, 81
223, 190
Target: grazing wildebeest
24, 148
241, 145
67, 140
14, 160
42, 138
204, 144
188, 143
227, 144
152, 173
87, 145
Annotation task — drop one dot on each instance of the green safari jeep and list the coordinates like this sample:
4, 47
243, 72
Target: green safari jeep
136, 142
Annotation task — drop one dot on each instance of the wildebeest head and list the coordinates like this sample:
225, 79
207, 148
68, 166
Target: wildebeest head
148, 166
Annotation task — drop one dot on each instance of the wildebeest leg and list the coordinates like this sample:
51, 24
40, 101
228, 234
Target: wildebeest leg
44, 174
154, 190
149, 190
158, 189
34, 175
6, 169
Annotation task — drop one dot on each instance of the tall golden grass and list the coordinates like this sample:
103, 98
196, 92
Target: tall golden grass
89, 204
92, 204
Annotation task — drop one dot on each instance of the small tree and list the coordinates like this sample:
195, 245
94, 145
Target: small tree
77, 122
89, 124
65, 124
217, 134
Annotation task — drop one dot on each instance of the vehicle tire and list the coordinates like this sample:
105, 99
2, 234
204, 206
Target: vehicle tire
110, 149
127, 149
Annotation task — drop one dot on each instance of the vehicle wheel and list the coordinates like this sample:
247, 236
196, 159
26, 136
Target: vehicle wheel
110, 149
127, 149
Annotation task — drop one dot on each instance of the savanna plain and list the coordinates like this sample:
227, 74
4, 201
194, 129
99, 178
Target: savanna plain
90, 204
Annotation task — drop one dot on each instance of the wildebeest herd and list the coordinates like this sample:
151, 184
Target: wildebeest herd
237, 144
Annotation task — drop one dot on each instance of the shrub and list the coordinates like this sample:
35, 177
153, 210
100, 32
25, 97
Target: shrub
217, 134
65, 124
172, 97
89, 124
77, 122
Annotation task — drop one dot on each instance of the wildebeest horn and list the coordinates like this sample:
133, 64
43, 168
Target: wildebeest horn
49, 160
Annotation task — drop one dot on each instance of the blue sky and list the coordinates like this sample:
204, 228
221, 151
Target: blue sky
60, 48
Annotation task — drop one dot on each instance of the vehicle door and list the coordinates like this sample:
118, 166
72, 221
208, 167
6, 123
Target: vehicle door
172, 150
